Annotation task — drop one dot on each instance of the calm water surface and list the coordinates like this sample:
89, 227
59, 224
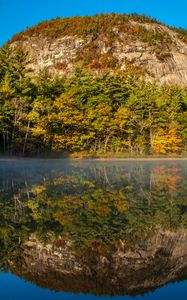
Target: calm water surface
93, 229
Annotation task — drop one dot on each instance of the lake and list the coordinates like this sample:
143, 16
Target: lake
87, 229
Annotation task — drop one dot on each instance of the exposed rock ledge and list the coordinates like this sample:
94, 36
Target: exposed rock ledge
60, 55
149, 265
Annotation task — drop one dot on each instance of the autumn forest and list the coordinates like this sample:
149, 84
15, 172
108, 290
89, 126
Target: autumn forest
87, 114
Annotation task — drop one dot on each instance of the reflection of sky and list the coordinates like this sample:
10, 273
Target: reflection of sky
13, 288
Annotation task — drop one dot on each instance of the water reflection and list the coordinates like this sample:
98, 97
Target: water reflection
105, 228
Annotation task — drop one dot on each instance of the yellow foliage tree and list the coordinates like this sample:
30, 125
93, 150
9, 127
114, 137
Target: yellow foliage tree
166, 141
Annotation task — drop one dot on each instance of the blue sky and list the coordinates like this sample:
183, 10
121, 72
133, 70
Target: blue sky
16, 15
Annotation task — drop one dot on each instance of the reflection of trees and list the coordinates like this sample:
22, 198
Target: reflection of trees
94, 205
108, 215
14, 230
165, 178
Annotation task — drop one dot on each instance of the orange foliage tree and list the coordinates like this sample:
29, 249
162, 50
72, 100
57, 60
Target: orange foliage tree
168, 140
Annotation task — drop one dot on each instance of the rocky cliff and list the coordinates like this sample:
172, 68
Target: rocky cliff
107, 43
151, 264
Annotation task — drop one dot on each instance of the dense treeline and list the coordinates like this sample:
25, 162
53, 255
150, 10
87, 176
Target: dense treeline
95, 114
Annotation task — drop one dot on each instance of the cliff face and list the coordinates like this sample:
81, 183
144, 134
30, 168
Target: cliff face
151, 47
153, 263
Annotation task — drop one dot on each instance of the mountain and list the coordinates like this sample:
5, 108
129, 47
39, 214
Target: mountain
109, 43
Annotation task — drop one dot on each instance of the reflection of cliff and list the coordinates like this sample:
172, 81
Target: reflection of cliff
147, 266
127, 225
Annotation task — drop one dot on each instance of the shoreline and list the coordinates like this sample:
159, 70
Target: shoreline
97, 158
